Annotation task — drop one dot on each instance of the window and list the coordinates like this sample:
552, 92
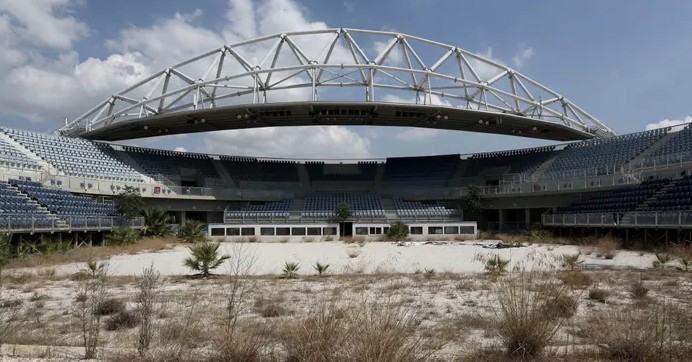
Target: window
314, 231
361, 230
298, 231
375, 231
218, 232
416, 230
434, 230
232, 231
451, 230
467, 230
329, 231
267, 231
247, 231
283, 231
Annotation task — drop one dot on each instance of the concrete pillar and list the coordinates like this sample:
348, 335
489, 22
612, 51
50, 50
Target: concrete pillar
180, 217
502, 219
527, 218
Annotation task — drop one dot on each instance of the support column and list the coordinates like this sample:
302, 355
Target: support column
527, 218
502, 216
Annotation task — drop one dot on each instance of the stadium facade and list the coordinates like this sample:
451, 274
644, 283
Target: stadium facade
635, 185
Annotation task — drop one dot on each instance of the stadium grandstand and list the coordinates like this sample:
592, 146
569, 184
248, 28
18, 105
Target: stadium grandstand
637, 185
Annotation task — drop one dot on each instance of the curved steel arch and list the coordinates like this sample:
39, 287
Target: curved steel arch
300, 66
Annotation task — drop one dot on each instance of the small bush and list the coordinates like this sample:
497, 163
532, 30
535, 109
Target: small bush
561, 306
398, 231
109, 306
661, 260
496, 265
204, 258
122, 236
637, 335
571, 261
521, 320
638, 290
291, 270
122, 320
272, 310
608, 247
353, 252
429, 273
684, 255
320, 268
599, 295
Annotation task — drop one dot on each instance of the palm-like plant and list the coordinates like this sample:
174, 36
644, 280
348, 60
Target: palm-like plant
661, 260
191, 231
291, 270
156, 223
320, 268
571, 261
496, 265
204, 258
122, 236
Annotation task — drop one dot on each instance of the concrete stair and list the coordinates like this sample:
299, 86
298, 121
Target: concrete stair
379, 176
58, 222
538, 172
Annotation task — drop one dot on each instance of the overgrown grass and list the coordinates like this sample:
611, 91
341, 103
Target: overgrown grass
521, 322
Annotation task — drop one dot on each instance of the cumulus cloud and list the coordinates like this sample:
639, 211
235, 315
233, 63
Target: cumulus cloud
180, 149
668, 123
37, 22
417, 134
522, 56
295, 142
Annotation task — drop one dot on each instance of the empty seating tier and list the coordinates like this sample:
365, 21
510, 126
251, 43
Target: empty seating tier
621, 200
75, 156
12, 157
516, 161
323, 204
362, 171
17, 211
268, 209
252, 169
429, 170
415, 208
601, 156
77, 210
678, 197
172, 164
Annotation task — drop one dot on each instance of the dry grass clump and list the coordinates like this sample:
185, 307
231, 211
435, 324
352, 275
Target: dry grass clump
82, 255
599, 294
110, 306
607, 247
521, 322
641, 335
122, 320
560, 306
638, 291
368, 331
683, 253
575, 280
246, 343
269, 309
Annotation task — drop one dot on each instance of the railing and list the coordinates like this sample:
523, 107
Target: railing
632, 219
563, 185
298, 218
32, 223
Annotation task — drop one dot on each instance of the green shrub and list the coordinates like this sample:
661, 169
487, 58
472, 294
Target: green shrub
205, 257
398, 231
122, 235
191, 232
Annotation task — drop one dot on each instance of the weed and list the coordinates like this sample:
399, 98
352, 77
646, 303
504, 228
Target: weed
291, 270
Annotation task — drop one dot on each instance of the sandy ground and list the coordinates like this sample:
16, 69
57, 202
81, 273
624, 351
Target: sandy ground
454, 305
453, 257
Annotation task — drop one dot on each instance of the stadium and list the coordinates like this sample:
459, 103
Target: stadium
239, 180
63, 183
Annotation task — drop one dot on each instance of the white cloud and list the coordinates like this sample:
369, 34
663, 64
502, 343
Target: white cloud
296, 142
417, 134
38, 22
522, 56
668, 123
180, 149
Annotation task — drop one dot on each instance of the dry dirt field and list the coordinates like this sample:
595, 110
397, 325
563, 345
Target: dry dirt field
376, 302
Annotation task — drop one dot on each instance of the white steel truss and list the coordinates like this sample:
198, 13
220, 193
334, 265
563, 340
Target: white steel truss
338, 65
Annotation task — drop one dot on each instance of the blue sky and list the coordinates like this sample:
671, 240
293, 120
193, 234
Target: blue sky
626, 62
